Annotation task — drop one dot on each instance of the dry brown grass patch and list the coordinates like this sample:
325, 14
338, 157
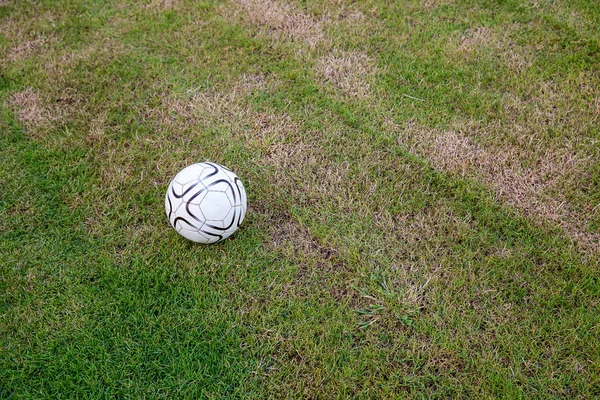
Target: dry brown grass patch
101, 52
305, 170
30, 108
295, 158
162, 4
282, 20
259, 129
412, 244
499, 40
520, 175
223, 104
476, 37
350, 72
430, 5
38, 113
352, 16
254, 82
23, 34
25, 49
319, 266
291, 238
197, 107
284, 156
564, 107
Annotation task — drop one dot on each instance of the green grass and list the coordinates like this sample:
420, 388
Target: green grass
369, 266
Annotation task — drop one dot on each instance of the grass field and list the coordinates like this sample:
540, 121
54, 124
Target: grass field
424, 191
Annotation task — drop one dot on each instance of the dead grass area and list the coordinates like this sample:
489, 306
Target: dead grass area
523, 177
216, 105
284, 156
352, 16
197, 107
305, 170
408, 243
320, 269
285, 20
162, 4
430, 5
40, 113
473, 38
412, 229
25, 37
25, 49
296, 240
254, 82
499, 40
563, 107
280, 19
350, 72
43, 108
59, 67
32, 110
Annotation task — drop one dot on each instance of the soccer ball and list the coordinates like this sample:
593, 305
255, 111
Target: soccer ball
206, 202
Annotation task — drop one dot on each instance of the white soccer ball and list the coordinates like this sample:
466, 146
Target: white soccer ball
206, 202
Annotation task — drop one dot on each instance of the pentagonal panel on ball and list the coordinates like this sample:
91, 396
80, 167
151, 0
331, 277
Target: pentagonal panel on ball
215, 206
192, 213
185, 223
196, 196
192, 235
219, 185
233, 196
210, 170
218, 225
188, 174
230, 221
176, 189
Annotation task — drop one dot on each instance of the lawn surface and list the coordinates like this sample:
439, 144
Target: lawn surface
423, 181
